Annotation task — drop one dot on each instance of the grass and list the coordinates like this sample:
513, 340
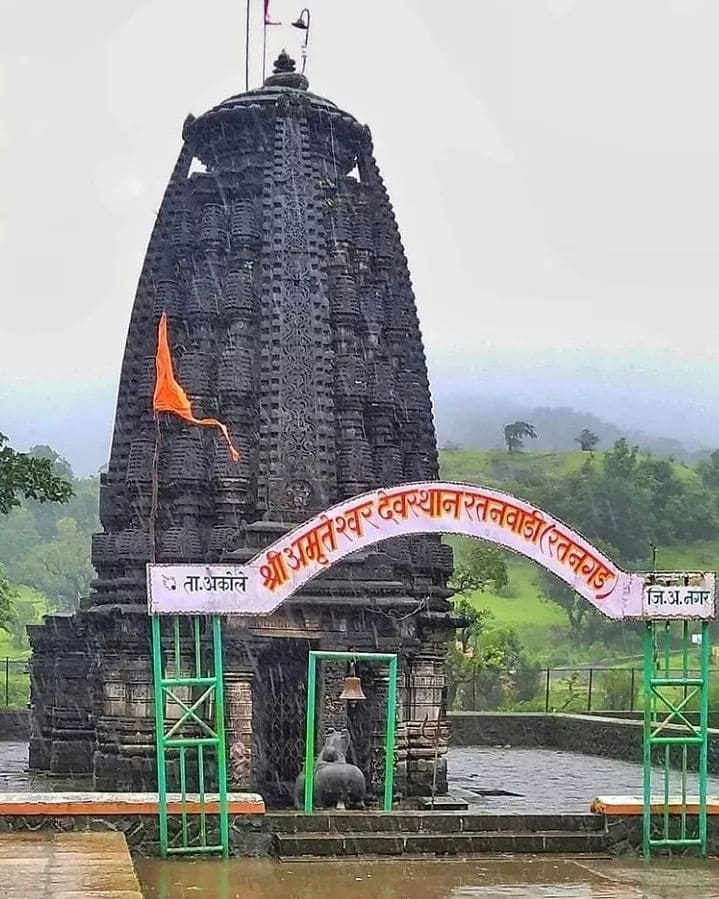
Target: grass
507, 471
32, 606
519, 606
702, 555
14, 679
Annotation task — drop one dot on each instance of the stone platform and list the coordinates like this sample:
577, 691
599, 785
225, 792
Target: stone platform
66, 866
627, 806
59, 805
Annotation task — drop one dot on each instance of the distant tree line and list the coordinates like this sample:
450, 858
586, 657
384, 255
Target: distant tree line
47, 518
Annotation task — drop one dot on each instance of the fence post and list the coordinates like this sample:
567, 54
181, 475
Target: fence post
546, 693
589, 692
631, 693
7, 682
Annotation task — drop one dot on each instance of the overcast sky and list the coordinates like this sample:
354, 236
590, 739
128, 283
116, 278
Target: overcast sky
553, 164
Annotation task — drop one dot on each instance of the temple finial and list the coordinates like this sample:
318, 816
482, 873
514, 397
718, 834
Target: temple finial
284, 73
284, 63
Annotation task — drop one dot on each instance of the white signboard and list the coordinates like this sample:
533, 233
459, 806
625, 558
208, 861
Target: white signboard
280, 570
202, 590
667, 600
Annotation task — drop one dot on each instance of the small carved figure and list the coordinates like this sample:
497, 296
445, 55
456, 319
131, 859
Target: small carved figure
337, 783
239, 767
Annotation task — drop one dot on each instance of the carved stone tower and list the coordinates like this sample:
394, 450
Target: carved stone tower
292, 319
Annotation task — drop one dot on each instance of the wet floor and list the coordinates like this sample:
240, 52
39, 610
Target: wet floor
547, 780
492, 878
66, 866
542, 780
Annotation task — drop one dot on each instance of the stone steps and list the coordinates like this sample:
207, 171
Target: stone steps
323, 845
408, 822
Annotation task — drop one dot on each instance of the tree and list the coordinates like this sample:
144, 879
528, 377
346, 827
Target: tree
460, 657
61, 569
484, 566
61, 468
8, 594
587, 440
708, 470
23, 475
575, 607
28, 608
515, 433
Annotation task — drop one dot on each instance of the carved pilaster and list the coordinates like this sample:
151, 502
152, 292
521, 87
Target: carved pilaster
427, 732
238, 715
331, 710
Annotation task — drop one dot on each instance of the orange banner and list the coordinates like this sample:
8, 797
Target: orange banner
169, 395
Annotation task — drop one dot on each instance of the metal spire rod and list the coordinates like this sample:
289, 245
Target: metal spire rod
303, 22
247, 46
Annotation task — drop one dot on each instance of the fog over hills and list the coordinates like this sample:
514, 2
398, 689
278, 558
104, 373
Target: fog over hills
551, 164
557, 428
77, 419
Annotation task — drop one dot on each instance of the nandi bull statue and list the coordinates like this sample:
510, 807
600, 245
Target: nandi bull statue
337, 783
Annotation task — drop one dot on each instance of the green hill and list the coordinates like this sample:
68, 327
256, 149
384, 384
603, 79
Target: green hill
542, 625
506, 471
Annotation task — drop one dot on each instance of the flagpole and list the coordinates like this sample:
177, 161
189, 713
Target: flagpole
155, 489
247, 47
264, 47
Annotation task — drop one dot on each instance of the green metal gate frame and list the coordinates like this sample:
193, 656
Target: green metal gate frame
206, 712
390, 722
662, 710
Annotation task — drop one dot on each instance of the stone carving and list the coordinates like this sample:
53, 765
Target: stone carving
336, 782
292, 319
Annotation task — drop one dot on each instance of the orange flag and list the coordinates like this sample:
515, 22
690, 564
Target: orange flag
170, 397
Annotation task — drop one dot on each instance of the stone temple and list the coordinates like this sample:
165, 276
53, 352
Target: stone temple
277, 258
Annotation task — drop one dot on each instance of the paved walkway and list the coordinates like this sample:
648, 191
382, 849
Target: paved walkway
546, 780
66, 866
15, 777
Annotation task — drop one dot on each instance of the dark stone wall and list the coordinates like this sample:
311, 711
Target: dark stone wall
256, 835
14, 724
250, 835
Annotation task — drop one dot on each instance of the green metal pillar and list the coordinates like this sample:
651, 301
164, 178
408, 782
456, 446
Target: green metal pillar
186, 742
389, 659
672, 739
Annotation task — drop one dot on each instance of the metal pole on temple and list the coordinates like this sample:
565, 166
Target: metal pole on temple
303, 23
247, 46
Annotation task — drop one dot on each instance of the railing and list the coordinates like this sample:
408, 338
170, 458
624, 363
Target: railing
14, 683
571, 689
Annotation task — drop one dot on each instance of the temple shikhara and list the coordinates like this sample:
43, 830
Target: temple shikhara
277, 260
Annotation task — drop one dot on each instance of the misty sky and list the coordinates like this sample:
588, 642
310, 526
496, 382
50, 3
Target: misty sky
553, 165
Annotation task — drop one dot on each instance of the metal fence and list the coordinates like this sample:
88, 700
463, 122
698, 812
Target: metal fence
575, 689
14, 683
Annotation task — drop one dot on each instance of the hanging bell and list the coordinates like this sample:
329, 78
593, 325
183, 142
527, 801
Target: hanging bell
352, 689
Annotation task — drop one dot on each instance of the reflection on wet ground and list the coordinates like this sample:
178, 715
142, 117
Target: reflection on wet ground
490, 878
548, 780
